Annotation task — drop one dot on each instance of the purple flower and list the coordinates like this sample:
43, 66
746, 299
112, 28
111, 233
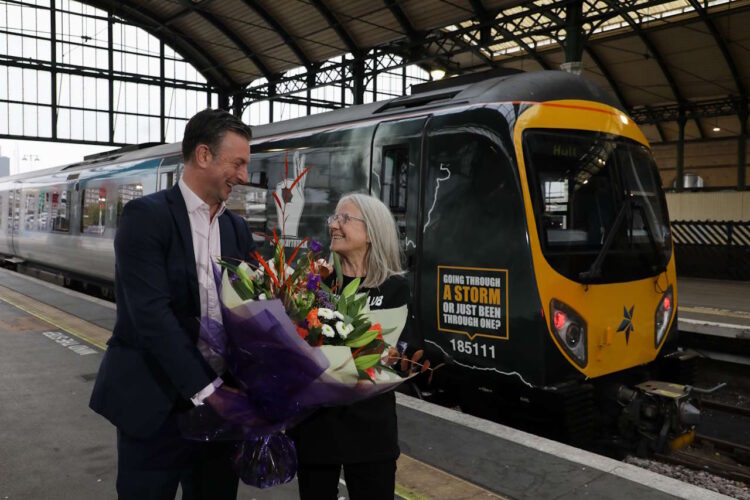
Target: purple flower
324, 300
233, 278
315, 246
313, 281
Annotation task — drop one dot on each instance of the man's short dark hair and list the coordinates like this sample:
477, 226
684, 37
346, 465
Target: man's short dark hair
209, 127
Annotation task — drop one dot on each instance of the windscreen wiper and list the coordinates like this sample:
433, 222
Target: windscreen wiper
651, 232
595, 271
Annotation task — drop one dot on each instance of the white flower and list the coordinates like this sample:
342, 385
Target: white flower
327, 330
325, 313
262, 296
343, 329
338, 315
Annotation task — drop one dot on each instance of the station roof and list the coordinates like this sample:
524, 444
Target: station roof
648, 53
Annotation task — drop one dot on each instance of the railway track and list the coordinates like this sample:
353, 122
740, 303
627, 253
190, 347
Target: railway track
721, 457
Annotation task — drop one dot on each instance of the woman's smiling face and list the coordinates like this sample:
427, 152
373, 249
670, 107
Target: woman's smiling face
348, 231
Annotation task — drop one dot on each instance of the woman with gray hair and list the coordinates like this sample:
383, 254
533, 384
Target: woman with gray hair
362, 437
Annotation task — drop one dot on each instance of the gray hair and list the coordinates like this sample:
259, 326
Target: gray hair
383, 258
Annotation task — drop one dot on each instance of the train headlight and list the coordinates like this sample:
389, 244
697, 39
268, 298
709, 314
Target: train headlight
663, 315
570, 329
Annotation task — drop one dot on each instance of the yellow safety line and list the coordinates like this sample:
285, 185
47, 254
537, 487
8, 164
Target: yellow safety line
408, 494
52, 322
716, 312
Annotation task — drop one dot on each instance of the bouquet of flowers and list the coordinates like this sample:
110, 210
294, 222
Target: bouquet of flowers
292, 344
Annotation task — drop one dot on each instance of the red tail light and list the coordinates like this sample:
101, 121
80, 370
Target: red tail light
560, 319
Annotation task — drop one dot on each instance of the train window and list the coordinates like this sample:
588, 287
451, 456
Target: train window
31, 209
395, 178
249, 202
61, 211
3, 209
598, 204
169, 171
126, 193
93, 211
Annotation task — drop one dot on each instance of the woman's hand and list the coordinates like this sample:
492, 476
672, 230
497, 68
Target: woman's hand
407, 365
323, 268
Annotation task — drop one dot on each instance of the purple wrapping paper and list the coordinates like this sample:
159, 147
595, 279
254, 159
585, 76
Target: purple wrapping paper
280, 381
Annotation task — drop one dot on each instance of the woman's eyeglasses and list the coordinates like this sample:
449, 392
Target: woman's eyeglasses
342, 219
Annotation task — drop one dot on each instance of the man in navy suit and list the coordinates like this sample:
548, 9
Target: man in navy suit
155, 367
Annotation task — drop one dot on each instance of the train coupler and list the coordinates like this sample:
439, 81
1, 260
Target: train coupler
662, 414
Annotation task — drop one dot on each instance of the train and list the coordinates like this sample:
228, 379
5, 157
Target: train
532, 220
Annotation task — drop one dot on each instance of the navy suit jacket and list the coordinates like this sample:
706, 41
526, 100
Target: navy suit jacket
152, 363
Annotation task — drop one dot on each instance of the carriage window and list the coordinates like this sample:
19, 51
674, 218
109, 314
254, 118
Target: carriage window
395, 178
60, 212
126, 193
93, 211
31, 211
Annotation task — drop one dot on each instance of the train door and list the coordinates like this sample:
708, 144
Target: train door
396, 161
478, 302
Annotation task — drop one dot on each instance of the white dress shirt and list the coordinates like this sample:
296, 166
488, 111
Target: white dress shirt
207, 248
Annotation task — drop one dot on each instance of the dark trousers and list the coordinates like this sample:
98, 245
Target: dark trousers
151, 468
365, 481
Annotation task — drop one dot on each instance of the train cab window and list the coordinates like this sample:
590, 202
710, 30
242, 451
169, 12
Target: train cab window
61, 211
93, 211
395, 178
600, 213
126, 193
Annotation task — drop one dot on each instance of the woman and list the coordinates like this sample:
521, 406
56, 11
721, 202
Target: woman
361, 437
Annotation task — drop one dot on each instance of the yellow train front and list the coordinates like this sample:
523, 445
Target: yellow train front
554, 288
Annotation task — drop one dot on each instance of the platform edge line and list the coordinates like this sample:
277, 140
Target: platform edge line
54, 323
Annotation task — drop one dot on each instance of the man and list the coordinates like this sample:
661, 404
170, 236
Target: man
153, 368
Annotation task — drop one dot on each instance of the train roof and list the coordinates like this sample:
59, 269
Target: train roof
535, 86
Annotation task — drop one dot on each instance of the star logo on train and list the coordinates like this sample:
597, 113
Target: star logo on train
627, 323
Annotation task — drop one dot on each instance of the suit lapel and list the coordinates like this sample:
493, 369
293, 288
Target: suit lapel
180, 215
227, 236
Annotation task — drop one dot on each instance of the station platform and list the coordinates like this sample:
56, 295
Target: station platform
54, 446
718, 309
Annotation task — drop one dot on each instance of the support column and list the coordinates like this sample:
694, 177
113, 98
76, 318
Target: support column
680, 178
238, 104
742, 146
271, 94
162, 97
111, 62
223, 100
359, 80
53, 61
310, 83
574, 38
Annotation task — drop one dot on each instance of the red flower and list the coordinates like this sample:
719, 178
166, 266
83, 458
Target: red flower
370, 373
302, 332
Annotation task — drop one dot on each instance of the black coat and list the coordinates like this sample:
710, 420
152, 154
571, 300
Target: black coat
362, 432
152, 363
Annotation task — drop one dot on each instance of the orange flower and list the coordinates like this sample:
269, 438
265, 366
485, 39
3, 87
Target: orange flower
376, 327
302, 332
312, 319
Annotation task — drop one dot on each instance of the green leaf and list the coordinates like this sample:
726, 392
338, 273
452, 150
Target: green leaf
366, 361
351, 288
337, 268
246, 280
361, 340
